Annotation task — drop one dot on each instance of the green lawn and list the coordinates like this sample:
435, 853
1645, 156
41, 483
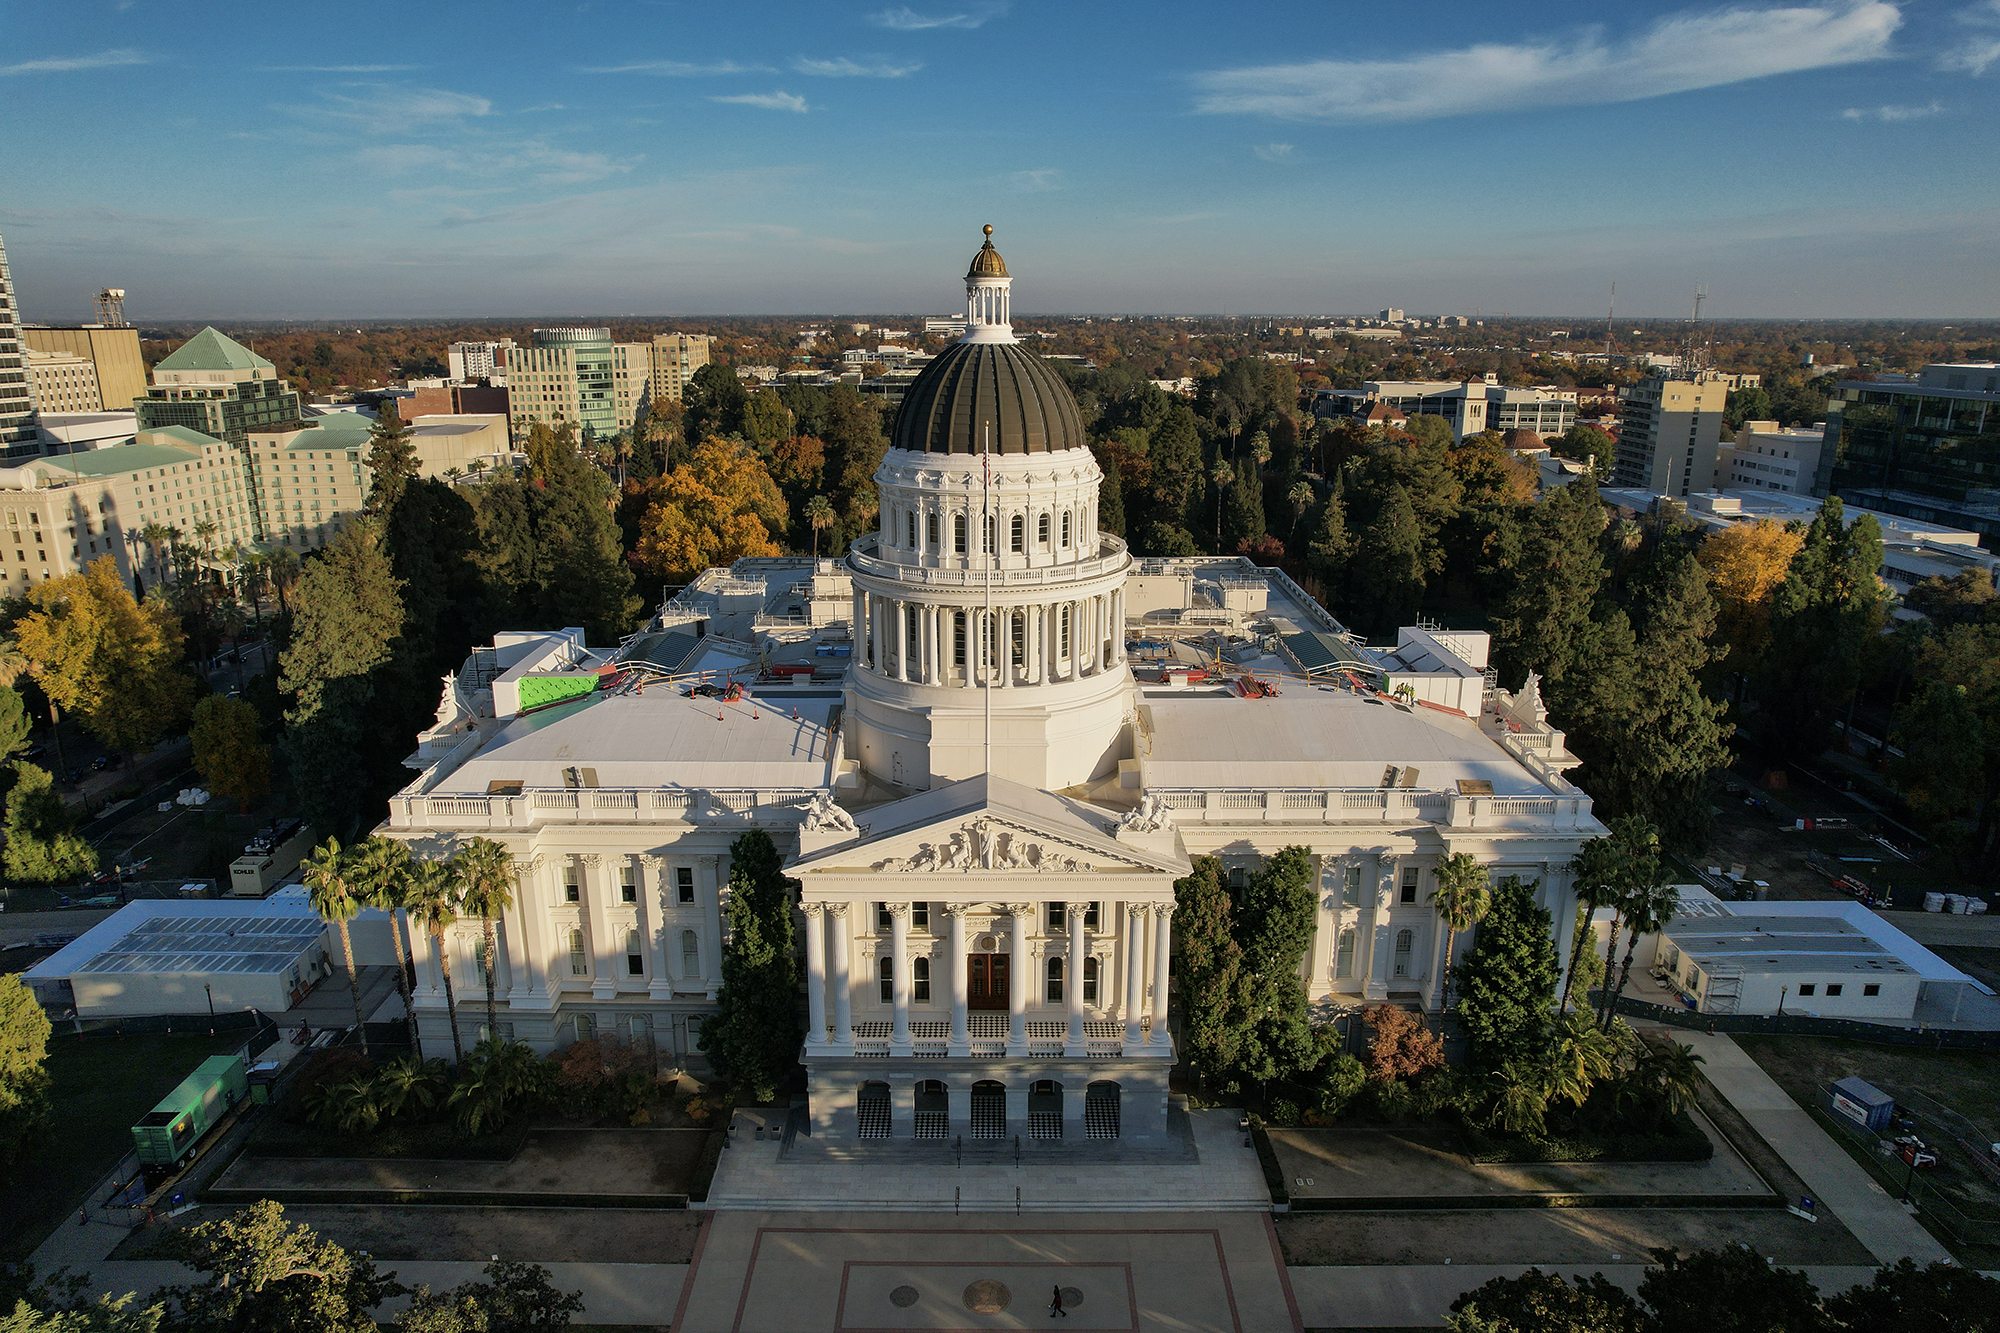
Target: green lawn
101, 1085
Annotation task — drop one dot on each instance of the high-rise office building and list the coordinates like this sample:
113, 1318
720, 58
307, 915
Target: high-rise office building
17, 395
577, 376
478, 361
1670, 434
64, 382
1925, 446
675, 359
216, 385
112, 352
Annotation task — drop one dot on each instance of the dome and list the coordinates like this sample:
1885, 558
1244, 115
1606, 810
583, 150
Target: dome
973, 393
987, 263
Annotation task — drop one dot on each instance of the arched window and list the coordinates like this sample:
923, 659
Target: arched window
1405, 944
1090, 981
579, 957
1019, 534
910, 525
690, 954
1062, 632
885, 973
635, 955
932, 1105
920, 974
871, 1111
1343, 956
1042, 532
1045, 1109
1052, 992
931, 529
1019, 629
1065, 529
958, 533
958, 638
992, 526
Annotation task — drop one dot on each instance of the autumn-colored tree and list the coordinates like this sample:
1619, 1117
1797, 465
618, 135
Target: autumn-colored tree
229, 753
1745, 563
720, 506
799, 461
105, 657
1403, 1046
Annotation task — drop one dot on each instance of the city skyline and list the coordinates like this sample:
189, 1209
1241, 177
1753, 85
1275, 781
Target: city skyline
640, 158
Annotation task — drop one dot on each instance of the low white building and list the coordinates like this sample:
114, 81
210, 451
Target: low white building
189, 956
1768, 457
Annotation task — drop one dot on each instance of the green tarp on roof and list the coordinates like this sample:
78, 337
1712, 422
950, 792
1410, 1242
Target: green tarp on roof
209, 350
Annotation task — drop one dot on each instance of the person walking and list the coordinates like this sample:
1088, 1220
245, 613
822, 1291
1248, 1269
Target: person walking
1055, 1304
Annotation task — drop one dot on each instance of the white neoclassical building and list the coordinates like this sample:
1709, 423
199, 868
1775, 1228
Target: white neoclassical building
989, 741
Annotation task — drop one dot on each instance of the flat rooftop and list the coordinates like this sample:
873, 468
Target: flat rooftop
181, 936
1829, 936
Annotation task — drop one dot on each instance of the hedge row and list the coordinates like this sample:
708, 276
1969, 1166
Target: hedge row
1678, 1140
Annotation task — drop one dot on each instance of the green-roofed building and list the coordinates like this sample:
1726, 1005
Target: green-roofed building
216, 385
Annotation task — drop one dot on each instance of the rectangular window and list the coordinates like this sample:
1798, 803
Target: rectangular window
930, 530
1343, 958
1350, 886
635, 955
883, 921
684, 883
579, 958
920, 916
627, 890
1090, 917
1871, 989
1807, 989
920, 977
1833, 988
1409, 894
690, 954
572, 891
885, 980
1056, 924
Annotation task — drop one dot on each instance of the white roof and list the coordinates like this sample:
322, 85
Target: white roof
1812, 936
181, 936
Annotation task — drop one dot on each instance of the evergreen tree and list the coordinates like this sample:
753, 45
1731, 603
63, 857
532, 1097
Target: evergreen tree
752, 1038
1215, 987
1243, 510
1329, 551
265, 1273
855, 445
43, 846
1538, 1302
1823, 614
24, 1076
1552, 586
1387, 575
713, 403
1507, 980
14, 725
392, 458
1111, 498
1178, 477
549, 549
1274, 918
229, 750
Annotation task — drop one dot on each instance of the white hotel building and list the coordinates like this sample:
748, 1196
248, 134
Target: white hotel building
989, 741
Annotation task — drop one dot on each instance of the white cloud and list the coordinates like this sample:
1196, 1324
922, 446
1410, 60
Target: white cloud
1892, 113
1037, 181
769, 101
69, 64
545, 163
1982, 48
1272, 152
904, 19
678, 69
387, 110
874, 67
1677, 54
337, 69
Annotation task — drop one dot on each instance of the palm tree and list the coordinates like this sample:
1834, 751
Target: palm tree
381, 875
253, 566
1597, 870
284, 572
1301, 498
819, 513
1583, 1055
156, 535
1637, 865
1673, 1075
486, 890
1462, 898
1522, 1105
433, 904
410, 1082
1647, 909
1260, 448
1223, 476
329, 878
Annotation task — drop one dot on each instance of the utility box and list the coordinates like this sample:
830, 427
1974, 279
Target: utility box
268, 857
1863, 1103
167, 1134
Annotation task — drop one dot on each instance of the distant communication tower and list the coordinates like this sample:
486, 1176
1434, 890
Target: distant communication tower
1693, 353
111, 307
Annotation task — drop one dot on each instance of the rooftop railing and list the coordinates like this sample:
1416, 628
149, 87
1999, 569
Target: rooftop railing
779, 808
861, 558
1338, 805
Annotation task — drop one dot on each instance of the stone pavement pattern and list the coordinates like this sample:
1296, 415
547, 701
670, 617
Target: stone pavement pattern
1836, 1180
1227, 1176
780, 1273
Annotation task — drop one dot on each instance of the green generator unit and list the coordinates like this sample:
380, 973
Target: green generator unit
170, 1130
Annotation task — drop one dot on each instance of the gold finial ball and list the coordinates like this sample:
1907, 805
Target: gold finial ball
988, 229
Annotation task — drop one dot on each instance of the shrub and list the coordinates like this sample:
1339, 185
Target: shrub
1285, 1114
1403, 1046
1341, 1080
323, 1067
601, 1075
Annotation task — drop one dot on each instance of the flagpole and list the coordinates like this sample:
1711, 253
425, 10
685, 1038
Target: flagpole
987, 534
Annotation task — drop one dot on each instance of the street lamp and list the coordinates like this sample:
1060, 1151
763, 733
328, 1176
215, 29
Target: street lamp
1782, 992
210, 990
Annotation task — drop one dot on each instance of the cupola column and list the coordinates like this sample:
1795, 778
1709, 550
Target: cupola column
1073, 981
815, 914
1162, 959
899, 971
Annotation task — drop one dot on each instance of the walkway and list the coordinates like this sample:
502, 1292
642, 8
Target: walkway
1876, 1220
1227, 1177
780, 1273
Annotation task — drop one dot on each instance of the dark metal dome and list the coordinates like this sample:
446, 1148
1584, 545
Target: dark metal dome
977, 397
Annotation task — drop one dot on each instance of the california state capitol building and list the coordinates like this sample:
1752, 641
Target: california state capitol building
988, 741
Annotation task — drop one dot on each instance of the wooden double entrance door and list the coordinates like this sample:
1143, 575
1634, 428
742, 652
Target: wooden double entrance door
987, 981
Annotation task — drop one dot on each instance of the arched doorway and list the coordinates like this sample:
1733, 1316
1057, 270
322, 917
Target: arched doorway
871, 1111
989, 1110
1100, 1111
1045, 1109
933, 1115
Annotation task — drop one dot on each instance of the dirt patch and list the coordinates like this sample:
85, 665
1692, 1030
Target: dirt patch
474, 1235
1557, 1236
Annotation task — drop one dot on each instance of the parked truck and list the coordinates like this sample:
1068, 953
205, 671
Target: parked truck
269, 857
167, 1134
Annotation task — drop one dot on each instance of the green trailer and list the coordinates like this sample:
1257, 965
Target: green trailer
169, 1132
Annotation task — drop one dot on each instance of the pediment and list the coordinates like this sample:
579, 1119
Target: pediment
986, 826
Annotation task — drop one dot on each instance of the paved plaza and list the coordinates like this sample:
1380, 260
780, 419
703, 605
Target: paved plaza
856, 1273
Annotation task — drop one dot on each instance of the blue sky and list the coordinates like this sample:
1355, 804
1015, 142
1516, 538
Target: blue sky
648, 156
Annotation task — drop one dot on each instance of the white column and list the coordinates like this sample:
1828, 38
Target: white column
1020, 975
594, 875
859, 629
1073, 979
708, 887
1075, 666
1162, 959
928, 623
815, 972
1135, 970
843, 998
899, 962
653, 900
876, 637
961, 1038
903, 641
529, 902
